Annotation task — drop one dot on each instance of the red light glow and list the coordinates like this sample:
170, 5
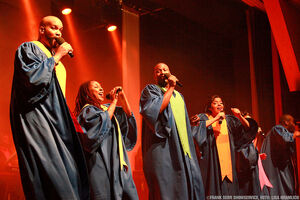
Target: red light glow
31, 18
117, 45
82, 63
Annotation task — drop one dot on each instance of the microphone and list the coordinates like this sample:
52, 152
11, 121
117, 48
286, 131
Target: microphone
61, 40
108, 95
177, 82
221, 120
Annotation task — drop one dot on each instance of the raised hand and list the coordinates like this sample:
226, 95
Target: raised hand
220, 115
61, 51
236, 112
114, 93
195, 120
172, 80
296, 134
123, 100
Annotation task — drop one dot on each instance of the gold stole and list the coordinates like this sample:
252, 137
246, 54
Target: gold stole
120, 142
223, 147
178, 110
60, 69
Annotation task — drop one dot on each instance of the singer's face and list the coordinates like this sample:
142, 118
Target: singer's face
50, 30
159, 74
96, 90
216, 106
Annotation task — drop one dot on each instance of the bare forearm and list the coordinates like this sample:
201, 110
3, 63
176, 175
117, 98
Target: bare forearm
57, 58
166, 99
220, 115
125, 105
111, 108
210, 121
244, 122
236, 112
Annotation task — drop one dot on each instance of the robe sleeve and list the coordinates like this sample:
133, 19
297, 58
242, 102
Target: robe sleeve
246, 158
242, 137
34, 72
96, 125
150, 103
283, 138
128, 128
200, 132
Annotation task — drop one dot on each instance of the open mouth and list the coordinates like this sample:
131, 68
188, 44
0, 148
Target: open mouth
220, 109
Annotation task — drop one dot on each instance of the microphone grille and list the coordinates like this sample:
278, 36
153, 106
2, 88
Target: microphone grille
60, 40
107, 96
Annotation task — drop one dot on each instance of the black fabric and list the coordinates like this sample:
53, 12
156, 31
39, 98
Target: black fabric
247, 170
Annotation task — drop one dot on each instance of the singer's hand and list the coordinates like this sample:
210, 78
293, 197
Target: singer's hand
220, 115
296, 134
236, 112
122, 97
172, 81
195, 120
124, 102
61, 51
114, 93
259, 130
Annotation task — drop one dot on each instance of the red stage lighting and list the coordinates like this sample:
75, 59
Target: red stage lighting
111, 28
66, 11
31, 13
117, 45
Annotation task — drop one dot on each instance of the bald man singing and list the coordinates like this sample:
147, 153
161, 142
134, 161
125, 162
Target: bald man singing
50, 157
169, 156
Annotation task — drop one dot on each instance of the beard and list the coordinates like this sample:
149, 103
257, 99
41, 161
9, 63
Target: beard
52, 42
162, 82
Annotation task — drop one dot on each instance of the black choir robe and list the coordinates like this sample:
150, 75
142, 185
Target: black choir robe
51, 160
279, 146
247, 169
208, 153
100, 142
169, 173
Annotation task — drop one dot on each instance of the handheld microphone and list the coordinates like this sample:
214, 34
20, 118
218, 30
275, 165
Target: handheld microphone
108, 95
221, 120
177, 82
61, 40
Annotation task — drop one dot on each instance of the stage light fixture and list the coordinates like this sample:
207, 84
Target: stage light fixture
66, 11
61, 7
111, 28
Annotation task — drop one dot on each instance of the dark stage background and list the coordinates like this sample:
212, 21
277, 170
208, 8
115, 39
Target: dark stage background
205, 45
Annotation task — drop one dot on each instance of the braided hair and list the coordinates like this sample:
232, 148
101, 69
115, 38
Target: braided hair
84, 96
